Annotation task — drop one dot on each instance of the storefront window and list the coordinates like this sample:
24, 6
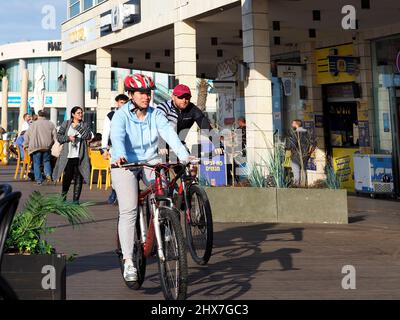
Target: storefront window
386, 55
14, 77
12, 117
386, 67
52, 71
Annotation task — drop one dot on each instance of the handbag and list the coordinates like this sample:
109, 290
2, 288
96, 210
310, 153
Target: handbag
56, 149
287, 162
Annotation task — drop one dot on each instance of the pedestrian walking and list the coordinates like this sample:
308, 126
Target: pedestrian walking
73, 161
39, 139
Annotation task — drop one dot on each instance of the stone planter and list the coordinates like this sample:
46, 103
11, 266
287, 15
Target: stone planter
36, 277
312, 206
273, 205
242, 204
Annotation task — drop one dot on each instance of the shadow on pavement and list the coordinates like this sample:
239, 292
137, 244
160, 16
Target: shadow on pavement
243, 248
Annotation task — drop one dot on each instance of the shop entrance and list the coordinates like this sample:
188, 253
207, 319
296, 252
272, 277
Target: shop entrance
340, 117
341, 129
342, 124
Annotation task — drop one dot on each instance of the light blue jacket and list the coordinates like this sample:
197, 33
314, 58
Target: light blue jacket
137, 140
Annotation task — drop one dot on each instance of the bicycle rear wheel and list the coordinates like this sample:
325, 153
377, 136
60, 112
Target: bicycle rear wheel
199, 226
173, 271
139, 259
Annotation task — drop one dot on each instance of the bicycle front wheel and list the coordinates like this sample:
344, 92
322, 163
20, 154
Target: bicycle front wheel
199, 225
174, 270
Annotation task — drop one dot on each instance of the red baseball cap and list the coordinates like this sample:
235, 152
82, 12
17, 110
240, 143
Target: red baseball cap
181, 90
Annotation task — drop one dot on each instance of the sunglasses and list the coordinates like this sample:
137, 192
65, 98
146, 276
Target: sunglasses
185, 96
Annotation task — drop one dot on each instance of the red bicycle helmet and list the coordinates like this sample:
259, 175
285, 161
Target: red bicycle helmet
139, 82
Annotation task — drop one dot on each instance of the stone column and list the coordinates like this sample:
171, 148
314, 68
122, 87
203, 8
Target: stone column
53, 115
186, 66
24, 98
75, 85
4, 105
258, 93
104, 62
22, 65
121, 86
313, 106
185, 55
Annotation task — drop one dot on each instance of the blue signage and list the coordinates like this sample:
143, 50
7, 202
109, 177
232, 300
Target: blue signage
212, 169
16, 100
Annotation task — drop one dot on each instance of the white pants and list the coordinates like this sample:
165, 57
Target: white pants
126, 184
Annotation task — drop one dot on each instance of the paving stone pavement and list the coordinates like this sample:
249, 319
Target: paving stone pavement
249, 261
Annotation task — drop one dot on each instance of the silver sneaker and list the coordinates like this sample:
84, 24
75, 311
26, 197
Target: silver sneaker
130, 272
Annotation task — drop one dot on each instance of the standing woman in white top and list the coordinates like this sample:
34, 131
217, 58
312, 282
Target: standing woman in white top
74, 158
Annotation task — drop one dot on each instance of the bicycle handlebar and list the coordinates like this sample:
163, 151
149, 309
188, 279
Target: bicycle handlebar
134, 165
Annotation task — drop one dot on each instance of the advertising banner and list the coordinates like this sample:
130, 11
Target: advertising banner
212, 168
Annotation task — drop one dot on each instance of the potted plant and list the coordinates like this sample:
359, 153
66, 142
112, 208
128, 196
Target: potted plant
272, 197
31, 265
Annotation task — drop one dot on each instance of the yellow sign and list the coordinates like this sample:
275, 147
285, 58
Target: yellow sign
362, 111
324, 75
77, 35
344, 166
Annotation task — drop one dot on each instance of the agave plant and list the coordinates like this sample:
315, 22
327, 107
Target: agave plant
275, 164
30, 225
256, 176
333, 180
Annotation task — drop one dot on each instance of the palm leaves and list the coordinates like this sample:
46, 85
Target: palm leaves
29, 226
3, 73
202, 88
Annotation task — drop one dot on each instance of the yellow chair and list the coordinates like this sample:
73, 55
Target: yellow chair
25, 165
19, 163
99, 164
3, 152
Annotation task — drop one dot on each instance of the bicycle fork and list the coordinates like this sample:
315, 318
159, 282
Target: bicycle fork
157, 230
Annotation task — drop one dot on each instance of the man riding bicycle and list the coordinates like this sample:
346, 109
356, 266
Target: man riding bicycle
182, 114
135, 129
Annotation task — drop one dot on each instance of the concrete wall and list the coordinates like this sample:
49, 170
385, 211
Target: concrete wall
278, 205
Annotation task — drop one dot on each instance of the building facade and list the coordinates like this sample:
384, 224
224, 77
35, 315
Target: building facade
30, 56
334, 65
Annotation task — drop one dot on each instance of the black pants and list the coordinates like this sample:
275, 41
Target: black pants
72, 172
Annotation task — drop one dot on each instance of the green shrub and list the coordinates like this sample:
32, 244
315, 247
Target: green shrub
30, 225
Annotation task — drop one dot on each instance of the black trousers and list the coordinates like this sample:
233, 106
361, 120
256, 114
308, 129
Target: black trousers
71, 172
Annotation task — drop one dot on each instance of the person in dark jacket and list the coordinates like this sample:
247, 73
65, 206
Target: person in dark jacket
182, 114
74, 158
301, 144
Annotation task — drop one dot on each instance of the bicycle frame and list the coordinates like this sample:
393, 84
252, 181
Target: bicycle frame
150, 230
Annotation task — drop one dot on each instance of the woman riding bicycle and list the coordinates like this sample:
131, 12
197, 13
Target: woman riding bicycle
135, 128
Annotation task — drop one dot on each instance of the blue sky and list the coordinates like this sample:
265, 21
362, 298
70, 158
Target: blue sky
21, 20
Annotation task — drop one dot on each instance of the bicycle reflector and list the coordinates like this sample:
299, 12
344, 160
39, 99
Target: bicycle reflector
159, 188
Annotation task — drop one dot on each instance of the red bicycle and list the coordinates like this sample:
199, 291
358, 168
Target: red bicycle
192, 201
158, 224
